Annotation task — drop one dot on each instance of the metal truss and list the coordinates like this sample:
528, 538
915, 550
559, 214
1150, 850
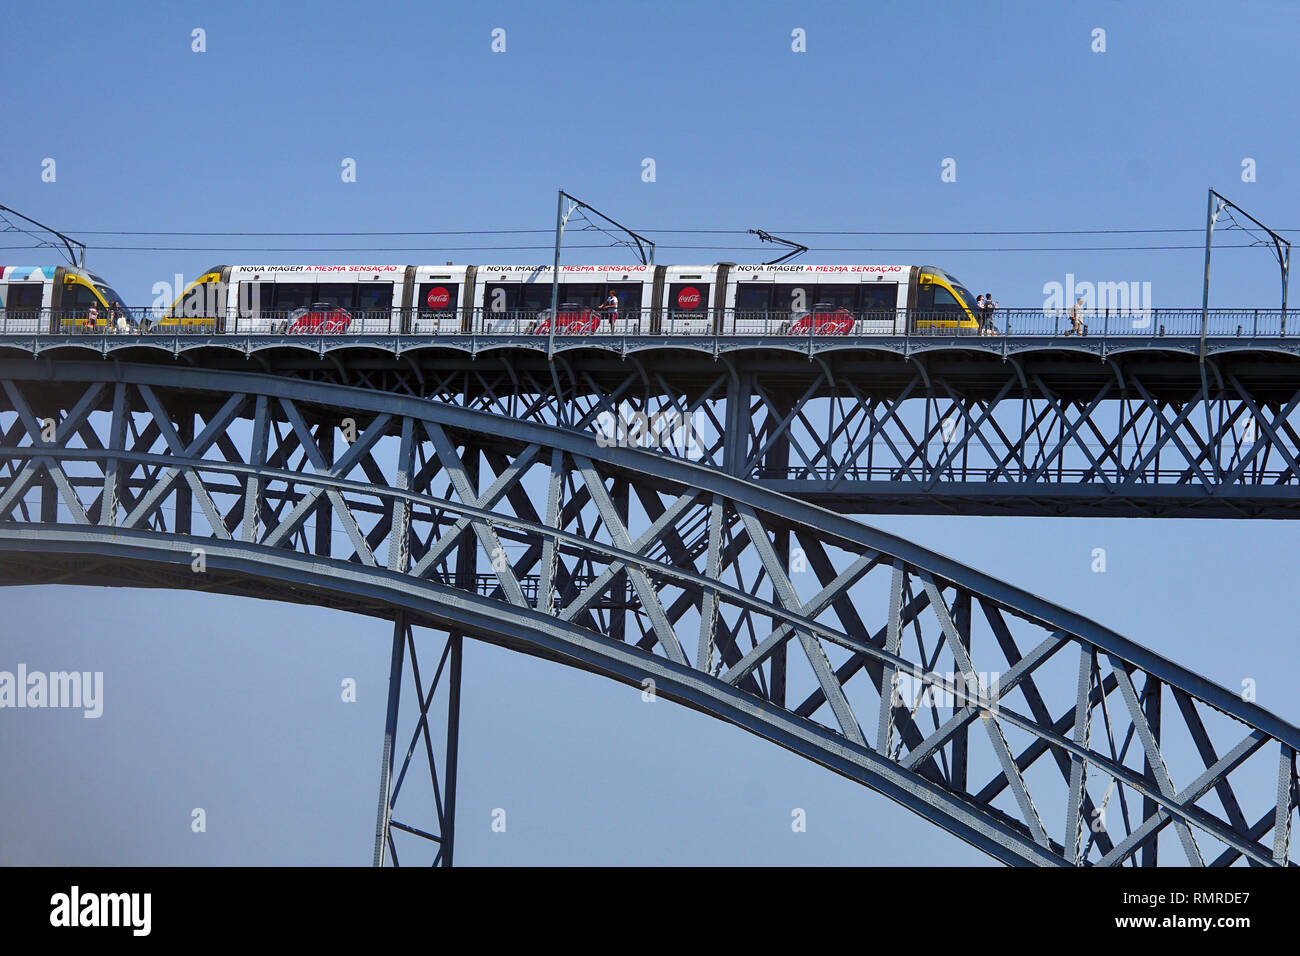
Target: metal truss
1024, 729
944, 433
1022, 440
952, 429
421, 748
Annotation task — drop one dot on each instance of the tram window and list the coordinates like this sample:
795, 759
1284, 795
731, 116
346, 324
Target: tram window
338, 294
964, 294
256, 298
585, 294
375, 297
78, 297
293, 295
944, 301
836, 296
753, 297
198, 299
535, 298
879, 297
23, 296
501, 297
796, 298
629, 296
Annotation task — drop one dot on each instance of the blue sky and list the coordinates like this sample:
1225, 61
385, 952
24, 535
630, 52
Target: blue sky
234, 706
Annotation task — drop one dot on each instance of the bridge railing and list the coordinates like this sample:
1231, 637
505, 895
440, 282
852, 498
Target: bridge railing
574, 321
1010, 473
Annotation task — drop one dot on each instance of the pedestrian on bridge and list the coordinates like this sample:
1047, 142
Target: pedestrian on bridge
1076, 319
611, 308
986, 317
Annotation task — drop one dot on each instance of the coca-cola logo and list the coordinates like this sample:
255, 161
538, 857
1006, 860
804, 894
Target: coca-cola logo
438, 297
688, 298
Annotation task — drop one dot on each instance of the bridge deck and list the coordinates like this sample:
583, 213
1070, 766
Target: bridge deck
976, 425
1100, 344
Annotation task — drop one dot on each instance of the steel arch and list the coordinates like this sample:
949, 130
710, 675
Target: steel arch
645, 566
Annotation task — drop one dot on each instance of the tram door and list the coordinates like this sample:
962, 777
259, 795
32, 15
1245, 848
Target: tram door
435, 303
687, 311
754, 312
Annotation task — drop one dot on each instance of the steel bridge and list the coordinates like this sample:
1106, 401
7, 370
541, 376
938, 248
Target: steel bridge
475, 492
1119, 424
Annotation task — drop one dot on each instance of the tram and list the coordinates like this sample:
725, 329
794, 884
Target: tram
720, 299
60, 299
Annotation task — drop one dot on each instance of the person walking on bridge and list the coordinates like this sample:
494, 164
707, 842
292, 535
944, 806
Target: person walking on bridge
1076, 319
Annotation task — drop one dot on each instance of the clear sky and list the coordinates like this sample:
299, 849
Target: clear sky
234, 706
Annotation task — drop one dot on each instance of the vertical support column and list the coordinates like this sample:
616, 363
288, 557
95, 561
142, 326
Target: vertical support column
184, 494
115, 469
735, 453
1286, 789
1074, 818
779, 656
390, 732
1121, 471
1212, 437
618, 612
466, 577
961, 739
926, 473
48, 491
546, 583
735, 443
1150, 707
775, 462
467, 550
324, 511
399, 536
49, 499
893, 640
709, 607
452, 752
257, 458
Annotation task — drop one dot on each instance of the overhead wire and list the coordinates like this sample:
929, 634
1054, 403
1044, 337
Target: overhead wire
520, 248
589, 226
